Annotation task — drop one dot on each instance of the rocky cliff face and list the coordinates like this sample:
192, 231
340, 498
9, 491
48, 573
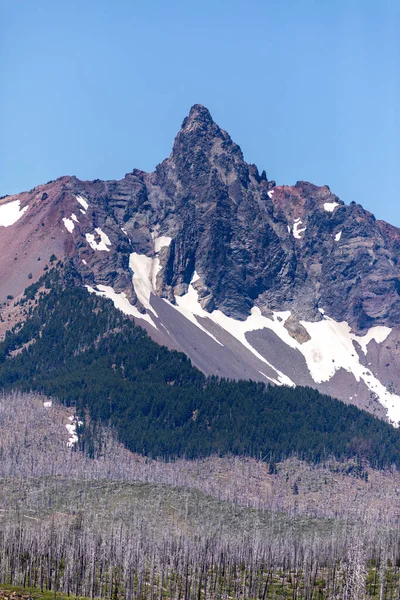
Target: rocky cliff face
281, 283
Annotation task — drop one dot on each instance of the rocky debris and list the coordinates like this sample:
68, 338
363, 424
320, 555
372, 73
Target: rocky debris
296, 330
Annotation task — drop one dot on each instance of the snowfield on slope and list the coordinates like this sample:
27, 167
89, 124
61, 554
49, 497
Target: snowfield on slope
330, 206
120, 301
297, 231
83, 202
104, 240
70, 223
190, 307
11, 212
330, 348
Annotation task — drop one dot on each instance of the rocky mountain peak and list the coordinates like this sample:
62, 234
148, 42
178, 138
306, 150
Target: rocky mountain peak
198, 115
203, 155
208, 230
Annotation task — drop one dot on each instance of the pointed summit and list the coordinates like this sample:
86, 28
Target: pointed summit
198, 112
199, 115
196, 146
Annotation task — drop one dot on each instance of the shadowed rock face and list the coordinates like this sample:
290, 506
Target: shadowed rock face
252, 243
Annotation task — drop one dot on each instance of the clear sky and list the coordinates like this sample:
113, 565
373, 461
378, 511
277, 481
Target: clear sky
310, 89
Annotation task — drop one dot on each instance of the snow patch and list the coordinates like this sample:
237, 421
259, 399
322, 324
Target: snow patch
11, 212
296, 230
161, 242
120, 301
271, 379
104, 242
48, 404
330, 206
338, 236
71, 428
69, 224
190, 307
145, 271
84, 261
379, 334
83, 202
74, 218
270, 196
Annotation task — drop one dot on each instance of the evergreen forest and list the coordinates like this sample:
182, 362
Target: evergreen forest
76, 347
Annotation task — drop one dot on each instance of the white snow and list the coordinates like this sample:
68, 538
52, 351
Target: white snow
269, 378
379, 334
296, 230
161, 242
124, 231
270, 195
190, 307
84, 261
69, 224
71, 428
330, 206
145, 270
104, 242
11, 212
83, 211
74, 218
288, 228
330, 348
321, 310
120, 301
48, 404
338, 236
83, 202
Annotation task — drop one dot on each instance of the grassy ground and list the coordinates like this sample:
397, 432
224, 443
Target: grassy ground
38, 499
18, 592
282, 586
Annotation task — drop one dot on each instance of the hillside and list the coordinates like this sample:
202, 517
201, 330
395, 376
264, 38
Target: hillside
78, 348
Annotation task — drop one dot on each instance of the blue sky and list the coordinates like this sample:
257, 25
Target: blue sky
309, 89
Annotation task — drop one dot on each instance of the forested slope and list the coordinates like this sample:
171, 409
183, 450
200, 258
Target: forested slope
79, 348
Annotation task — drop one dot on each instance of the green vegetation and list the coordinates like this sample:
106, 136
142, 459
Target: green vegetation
18, 592
87, 353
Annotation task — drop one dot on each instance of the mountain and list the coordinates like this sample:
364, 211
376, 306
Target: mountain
251, 280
